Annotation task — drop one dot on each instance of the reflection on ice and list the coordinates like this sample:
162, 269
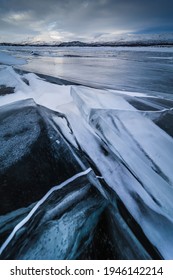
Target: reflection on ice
145, 70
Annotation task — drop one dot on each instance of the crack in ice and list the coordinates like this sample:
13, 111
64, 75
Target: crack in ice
40, 202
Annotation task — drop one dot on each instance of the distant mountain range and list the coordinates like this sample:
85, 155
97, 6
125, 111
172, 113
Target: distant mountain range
125, 40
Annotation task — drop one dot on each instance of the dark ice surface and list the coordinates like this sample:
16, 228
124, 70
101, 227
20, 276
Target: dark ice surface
31, 161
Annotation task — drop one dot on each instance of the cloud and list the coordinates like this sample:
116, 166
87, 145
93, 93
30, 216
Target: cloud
16, 17
73, 19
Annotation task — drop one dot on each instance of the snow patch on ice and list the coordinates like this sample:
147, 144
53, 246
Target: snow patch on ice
43, 93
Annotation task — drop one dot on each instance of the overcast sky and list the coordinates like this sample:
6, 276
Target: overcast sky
85, 20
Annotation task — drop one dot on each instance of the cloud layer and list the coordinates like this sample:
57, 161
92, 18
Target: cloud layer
82, 19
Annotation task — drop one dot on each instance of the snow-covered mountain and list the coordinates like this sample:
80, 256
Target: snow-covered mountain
120, 40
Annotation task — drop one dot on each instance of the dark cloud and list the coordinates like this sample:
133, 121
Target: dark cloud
87, 19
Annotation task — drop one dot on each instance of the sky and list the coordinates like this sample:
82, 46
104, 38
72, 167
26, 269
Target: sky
84, 20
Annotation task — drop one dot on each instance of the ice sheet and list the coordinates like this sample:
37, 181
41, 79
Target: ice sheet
126, 146
10, 60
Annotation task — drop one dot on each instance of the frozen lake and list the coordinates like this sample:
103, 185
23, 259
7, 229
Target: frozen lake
143, 69
86, 172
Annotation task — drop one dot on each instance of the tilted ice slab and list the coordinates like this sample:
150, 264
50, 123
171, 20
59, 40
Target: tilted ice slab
9, 78
141, 175
68, 220
156, 143
130, 154
123, 118
48, 215
88, 100
31, 86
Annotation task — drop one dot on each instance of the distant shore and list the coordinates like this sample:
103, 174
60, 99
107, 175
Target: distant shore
147, 43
